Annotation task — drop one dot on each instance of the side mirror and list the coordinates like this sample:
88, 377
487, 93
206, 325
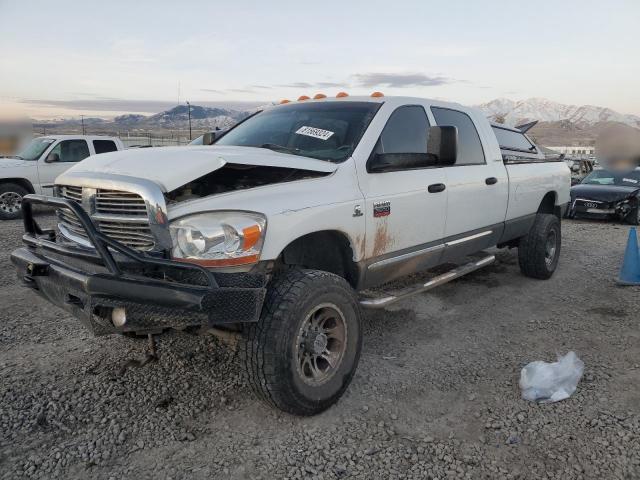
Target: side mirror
442, 150
208, 138
52, 157
575, 168
443, 145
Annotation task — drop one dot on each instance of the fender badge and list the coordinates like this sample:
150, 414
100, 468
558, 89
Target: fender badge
382, 209
357, 211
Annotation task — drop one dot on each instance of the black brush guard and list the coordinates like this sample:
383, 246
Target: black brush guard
155, 292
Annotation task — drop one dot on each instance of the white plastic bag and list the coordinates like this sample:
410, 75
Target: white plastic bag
551, 382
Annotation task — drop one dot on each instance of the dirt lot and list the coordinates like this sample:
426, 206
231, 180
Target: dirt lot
436, 394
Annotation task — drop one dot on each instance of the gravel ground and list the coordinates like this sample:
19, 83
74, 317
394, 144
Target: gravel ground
435, 396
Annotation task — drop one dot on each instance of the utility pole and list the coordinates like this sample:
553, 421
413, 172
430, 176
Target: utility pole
189, 110
82, 120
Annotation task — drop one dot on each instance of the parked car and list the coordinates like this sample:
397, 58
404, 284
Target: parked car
273, 231
580, 168
607, 194
35, 167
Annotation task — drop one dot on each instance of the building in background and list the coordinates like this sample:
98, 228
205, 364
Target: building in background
576, 151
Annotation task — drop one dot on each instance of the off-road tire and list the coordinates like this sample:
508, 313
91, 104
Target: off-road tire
269, 346
533, 249
7, 189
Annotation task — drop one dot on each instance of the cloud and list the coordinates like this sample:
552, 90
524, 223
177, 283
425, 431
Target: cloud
313, 85
211, 90
296, 85
241, 90
331, 84
261, 86
399, 80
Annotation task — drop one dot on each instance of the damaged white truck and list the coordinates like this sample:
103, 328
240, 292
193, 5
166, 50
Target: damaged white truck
276, 230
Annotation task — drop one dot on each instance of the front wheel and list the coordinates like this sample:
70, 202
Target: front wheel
11, 195
303, 352
539, 250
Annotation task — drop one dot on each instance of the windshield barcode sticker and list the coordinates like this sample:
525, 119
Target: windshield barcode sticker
315, 132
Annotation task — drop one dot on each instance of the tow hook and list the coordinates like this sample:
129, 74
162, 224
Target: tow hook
138, 363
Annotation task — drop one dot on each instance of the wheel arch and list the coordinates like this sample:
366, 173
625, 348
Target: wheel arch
328, 250
548, 204
23, 182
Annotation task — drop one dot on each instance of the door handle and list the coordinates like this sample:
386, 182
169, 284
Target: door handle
491, 180
436, 187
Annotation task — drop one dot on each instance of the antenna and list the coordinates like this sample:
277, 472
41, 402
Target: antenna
178, 92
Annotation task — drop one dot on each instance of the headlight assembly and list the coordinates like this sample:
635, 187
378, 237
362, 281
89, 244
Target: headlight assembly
219, 239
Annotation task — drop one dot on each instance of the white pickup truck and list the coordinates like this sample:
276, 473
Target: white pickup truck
278, 230
34, 168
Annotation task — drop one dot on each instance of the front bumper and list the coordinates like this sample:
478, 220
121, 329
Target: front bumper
156, 293
622, 209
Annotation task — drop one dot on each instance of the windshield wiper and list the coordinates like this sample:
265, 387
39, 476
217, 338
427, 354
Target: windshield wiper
279, 148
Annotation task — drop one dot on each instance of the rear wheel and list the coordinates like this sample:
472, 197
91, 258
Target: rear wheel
539, 250
301, 355
11, 195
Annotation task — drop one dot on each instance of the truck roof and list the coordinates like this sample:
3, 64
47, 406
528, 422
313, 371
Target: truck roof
393, 100
71, 137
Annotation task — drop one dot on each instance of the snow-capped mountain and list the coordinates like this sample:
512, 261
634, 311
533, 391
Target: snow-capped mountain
518, 112
176, 118
201, 117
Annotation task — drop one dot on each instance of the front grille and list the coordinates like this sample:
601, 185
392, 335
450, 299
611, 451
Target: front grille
120, 215
114, 202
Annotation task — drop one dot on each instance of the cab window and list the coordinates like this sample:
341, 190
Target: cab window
470, 151
406, 131
104, 146
70, 151
403, 142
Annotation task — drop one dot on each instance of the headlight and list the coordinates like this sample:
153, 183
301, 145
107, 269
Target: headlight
219, 239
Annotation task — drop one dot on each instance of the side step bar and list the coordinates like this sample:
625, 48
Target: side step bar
457, 272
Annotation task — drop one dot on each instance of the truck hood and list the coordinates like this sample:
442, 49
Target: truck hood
603, 193
172, 167
12, 162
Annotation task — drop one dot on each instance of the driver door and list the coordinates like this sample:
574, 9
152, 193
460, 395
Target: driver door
404, 208
62, 156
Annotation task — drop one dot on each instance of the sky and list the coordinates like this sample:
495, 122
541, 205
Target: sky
66, 58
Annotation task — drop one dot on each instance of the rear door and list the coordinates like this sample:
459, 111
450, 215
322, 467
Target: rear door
477, 189
404, 220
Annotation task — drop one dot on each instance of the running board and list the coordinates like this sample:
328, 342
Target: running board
457, 272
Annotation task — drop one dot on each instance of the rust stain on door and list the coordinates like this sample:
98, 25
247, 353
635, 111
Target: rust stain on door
382, 241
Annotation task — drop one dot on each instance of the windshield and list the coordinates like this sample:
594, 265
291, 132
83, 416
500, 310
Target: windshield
323, 130
197, 141
34, 149
607, 177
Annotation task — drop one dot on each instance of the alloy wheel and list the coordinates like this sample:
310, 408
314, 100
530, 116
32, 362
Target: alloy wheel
10, 202
321, 344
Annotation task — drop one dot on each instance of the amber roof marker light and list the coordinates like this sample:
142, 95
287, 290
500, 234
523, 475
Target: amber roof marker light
284, 101
377, 94
342, 95
319, 96
302, 98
